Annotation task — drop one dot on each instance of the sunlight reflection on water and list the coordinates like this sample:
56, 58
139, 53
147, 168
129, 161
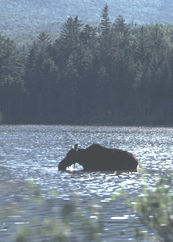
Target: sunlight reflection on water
34, 152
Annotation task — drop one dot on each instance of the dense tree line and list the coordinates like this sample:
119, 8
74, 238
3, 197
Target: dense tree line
116, 73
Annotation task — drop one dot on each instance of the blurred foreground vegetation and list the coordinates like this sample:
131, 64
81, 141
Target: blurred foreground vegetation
155, 210
52, 219
70, 221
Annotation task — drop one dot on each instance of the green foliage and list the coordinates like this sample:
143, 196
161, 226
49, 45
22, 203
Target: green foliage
11, 78
155, 208
105, 22
117, 73
65, 221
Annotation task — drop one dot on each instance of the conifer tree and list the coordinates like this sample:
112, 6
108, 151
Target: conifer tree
11, 78
41, 77
105, 22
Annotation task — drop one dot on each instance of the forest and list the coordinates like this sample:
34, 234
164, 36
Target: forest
22, 20
115, 73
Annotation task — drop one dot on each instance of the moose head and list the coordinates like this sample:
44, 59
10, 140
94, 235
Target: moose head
71, 158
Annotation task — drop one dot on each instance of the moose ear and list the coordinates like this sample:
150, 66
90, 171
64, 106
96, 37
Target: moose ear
76, 147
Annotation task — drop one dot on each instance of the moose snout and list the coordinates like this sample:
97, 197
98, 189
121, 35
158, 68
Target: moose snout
62, 166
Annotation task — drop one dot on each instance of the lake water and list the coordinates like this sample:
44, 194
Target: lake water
34, 152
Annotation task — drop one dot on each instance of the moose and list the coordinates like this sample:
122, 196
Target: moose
99, 158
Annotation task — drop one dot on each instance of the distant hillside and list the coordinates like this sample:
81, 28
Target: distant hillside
18, 17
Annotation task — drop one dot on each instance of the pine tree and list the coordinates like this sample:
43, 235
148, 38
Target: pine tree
11, 78
105, 22
41, 77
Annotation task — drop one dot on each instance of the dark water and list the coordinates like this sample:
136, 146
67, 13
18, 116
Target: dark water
34, 152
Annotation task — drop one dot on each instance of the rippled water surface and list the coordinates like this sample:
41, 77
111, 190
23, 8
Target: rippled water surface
35, 151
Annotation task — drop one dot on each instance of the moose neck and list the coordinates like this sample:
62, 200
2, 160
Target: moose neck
81, 157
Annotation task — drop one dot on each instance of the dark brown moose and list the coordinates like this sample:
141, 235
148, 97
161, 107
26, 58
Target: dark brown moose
99, 158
